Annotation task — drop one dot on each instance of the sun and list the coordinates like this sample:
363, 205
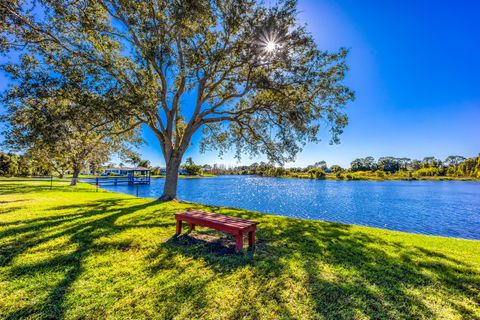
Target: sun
270, 46
268, 43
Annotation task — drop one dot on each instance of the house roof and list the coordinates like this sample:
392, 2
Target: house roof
128, 168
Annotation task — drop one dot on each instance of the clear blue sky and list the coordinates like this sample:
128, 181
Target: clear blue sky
415, 67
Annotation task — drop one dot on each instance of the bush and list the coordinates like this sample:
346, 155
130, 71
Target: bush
403, 173
279, 171
380, 173
316, 173
452, 171
428, 172
336, 169
156, 171
192, 169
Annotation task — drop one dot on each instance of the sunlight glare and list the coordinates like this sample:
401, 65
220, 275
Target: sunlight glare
271, 46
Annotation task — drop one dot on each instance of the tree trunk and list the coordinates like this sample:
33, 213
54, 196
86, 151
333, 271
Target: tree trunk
171, 179
76, 173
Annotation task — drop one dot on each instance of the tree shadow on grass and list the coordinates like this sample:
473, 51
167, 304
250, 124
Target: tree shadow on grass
378, 278
383, 278
10, 210
210, 246
11, 201
344, 272
93, 221
11, 187
348, 274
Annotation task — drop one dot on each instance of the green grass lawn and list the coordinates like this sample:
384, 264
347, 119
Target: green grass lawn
77, 254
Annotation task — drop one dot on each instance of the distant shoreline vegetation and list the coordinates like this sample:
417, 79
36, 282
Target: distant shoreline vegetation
385, 168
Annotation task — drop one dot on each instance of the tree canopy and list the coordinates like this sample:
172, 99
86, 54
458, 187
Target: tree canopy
55, 119
259, 81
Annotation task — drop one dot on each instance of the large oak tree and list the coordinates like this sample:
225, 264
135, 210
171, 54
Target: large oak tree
258, 80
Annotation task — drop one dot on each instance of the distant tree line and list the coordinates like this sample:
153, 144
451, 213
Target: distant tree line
42, 164
365, 168
453, 166
32, 164
29, 164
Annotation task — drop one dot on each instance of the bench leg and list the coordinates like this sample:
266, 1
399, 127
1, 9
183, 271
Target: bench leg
191, 227
179, 227
251, 239
239, 242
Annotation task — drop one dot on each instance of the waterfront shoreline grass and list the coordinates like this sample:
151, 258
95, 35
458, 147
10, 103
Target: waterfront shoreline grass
74, 253
373, 177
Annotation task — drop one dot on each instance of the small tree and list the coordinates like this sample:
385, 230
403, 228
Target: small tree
55, 117
144, 163
322, 165
131, 157
316, 173
431, 162
363, 164
404, 163
47, 162
415, 165
336, 168
454, 161
191, 168
156, 171
8, 164
388, 164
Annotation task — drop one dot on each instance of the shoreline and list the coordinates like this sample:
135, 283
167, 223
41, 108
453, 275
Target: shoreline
367, 178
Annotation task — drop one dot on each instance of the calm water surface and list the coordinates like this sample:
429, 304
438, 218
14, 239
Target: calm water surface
446, 208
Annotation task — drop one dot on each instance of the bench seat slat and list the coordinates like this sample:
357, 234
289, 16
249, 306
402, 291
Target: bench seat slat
232, 223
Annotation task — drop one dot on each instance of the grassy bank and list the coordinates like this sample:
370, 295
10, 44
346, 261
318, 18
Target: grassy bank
372, 176
74, 253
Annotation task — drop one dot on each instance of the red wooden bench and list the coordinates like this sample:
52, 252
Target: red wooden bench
236, 226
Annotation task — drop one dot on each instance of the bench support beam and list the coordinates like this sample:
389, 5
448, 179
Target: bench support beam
179, 227
239, 242
251, 239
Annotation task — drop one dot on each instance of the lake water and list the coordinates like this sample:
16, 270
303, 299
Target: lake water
445, 208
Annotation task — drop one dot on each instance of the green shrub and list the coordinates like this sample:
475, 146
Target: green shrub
336, 169
192, 169
428, 172
316, 173
156, 171
451, 171
380, 173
